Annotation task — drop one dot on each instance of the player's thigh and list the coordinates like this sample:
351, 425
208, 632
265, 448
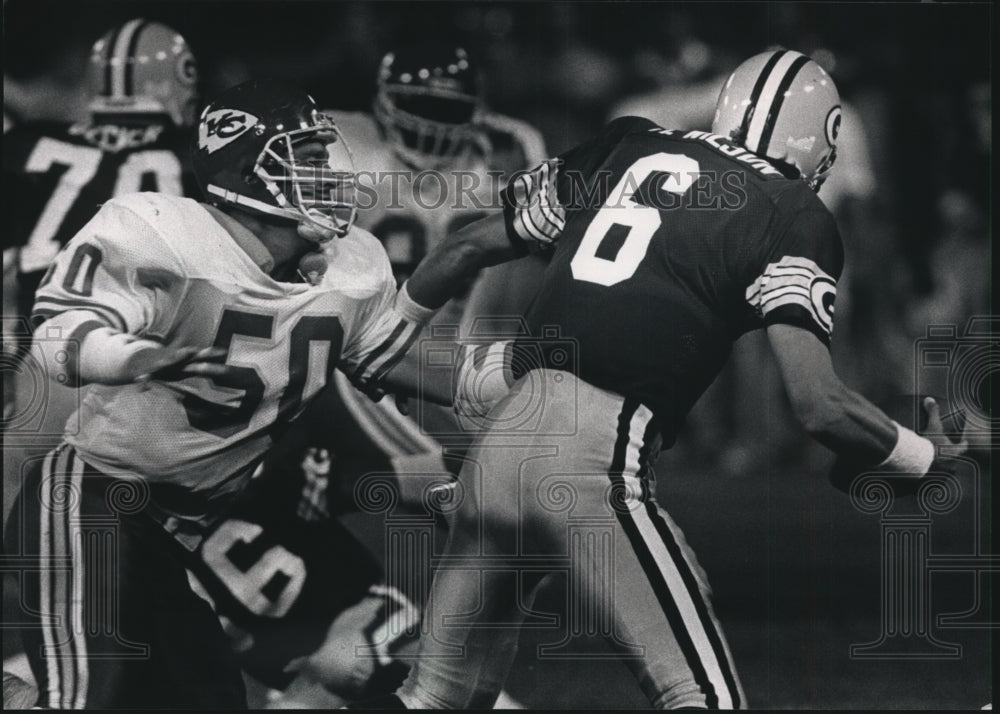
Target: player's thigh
108, 619
545, 454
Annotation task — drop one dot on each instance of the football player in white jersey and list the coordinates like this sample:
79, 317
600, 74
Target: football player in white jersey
431, 158
200, 330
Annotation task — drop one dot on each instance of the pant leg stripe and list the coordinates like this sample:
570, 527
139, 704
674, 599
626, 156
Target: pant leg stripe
673, 566
651, 565
64, 550
712, 631
52, 692
76, 603
685, 604
60, 649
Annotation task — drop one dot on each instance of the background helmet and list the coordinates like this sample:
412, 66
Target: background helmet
143, 67
783, 106
427, 101
245, 155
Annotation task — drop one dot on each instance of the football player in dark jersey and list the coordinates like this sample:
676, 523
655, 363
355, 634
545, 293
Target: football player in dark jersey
665, 245
142, 76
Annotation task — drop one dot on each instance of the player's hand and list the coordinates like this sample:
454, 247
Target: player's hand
935, 432
173, 363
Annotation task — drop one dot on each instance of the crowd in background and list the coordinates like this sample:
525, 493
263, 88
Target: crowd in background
910, 191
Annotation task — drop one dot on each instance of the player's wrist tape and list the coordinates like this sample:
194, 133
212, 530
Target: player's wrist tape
411, 310
912, 455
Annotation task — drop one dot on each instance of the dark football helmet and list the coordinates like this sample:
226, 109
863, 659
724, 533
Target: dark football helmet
142, 67
260, 147
427, 102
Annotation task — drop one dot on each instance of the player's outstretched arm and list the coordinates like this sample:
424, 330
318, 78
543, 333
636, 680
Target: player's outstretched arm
94, 353
843, 420
458, 257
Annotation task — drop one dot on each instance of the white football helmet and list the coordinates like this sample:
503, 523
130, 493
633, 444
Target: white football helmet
783, 106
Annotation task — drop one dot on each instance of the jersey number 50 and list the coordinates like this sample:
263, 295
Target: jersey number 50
640, 222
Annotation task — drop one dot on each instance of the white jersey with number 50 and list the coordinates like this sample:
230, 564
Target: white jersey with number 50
163, 268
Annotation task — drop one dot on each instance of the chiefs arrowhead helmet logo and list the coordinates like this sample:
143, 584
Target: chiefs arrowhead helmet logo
221, 127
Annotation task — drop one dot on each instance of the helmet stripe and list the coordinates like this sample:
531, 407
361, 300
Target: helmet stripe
130, 59
779, 99
119, 57
767, 96
758, 87
109, 47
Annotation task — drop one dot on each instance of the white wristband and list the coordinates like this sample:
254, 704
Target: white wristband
912, 455
411, 310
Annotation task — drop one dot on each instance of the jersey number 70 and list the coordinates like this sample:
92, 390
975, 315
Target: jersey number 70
640, 221
80, 165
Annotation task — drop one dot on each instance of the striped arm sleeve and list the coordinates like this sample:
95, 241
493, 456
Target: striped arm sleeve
533, 216
117, 268
385, 337
795, 291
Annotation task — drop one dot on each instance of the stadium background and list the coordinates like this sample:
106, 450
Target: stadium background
795, 568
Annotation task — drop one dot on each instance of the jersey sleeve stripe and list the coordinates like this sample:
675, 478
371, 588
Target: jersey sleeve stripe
377, 352
527, 231
548, 201
788, 299
779, 292
392, 359
790, 286
537, 218
544, 231
53, 305
775, 285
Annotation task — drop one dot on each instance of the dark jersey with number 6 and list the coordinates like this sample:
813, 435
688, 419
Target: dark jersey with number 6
57, 176
666, 247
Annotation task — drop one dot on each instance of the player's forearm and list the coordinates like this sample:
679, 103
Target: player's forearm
846, 422
76, 347
849, 424
458, 258
81, 349
408, 380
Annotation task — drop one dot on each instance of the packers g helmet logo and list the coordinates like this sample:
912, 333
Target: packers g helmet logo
833, 125
187, 69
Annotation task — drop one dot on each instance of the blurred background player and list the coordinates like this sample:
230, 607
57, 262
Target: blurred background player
433, 158
142, 79
302, 600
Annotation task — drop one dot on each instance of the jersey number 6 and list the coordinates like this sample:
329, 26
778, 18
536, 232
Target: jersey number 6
640, 222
